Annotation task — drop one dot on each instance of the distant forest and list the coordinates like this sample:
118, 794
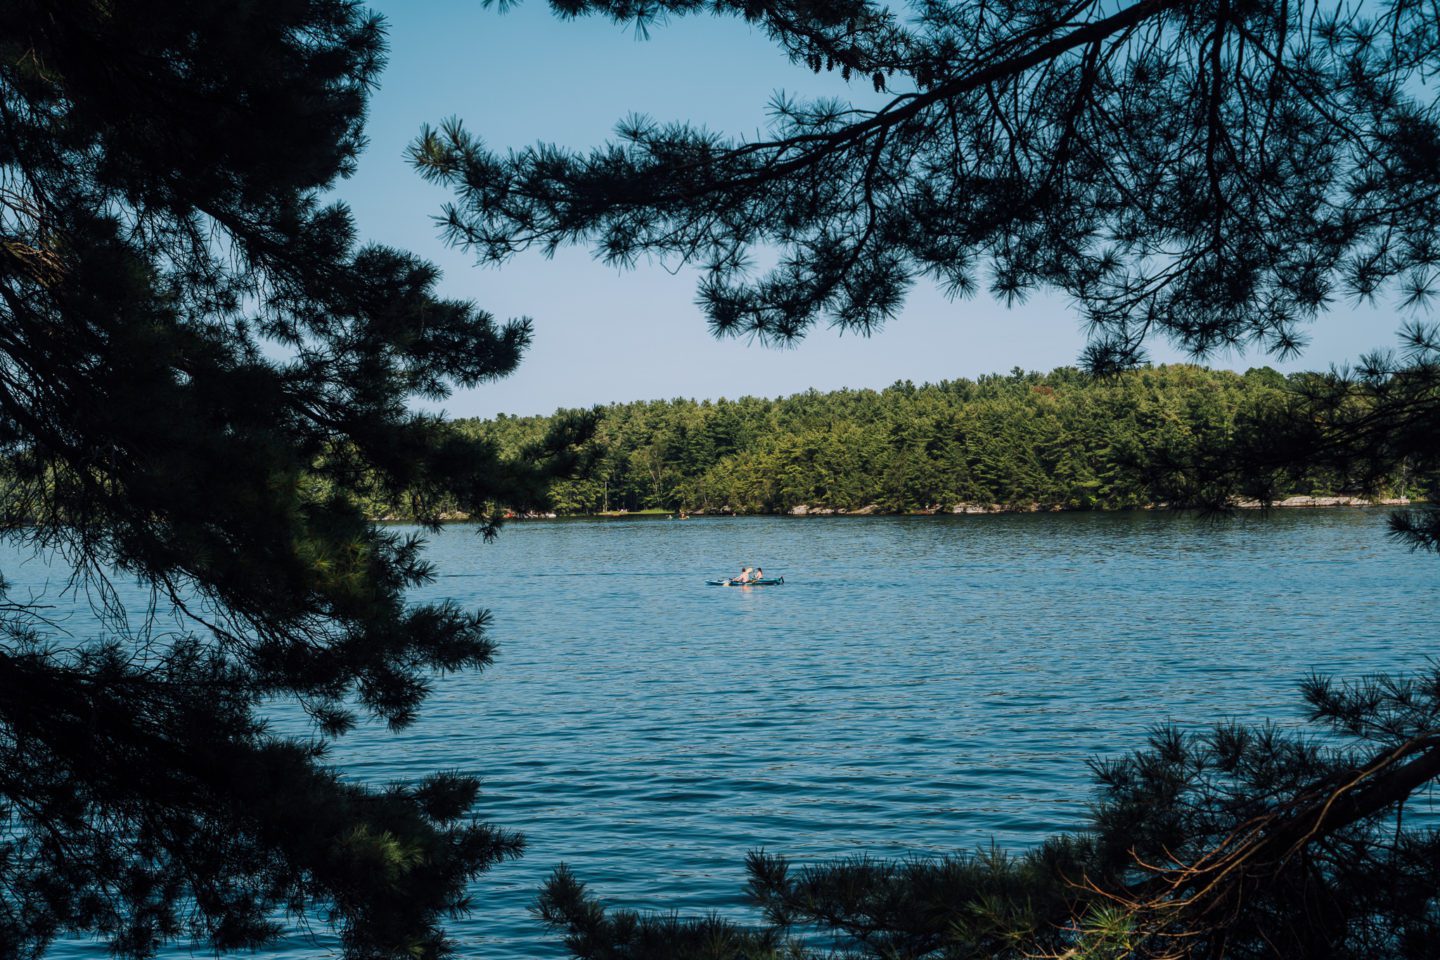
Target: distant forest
1020, 441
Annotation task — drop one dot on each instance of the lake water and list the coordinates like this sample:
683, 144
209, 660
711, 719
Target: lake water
918, 685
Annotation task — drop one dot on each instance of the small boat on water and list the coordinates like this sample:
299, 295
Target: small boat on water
767, 582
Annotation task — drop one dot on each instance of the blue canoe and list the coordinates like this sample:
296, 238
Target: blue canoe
767, 582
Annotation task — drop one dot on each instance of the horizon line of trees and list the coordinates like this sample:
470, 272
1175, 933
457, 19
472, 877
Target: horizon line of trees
1023, 440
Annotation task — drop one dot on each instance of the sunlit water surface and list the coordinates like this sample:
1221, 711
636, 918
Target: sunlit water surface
918, 685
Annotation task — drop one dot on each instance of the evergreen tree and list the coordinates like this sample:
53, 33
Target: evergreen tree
1215, 172
203, 380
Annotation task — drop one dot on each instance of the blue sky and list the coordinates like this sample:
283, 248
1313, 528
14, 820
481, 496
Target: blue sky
603, 335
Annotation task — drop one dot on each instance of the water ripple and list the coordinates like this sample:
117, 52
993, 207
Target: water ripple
917, 686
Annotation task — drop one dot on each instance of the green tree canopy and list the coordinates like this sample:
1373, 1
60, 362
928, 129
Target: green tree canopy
1027, 441
201, 375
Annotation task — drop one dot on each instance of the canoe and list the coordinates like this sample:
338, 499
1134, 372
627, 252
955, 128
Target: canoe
767, 582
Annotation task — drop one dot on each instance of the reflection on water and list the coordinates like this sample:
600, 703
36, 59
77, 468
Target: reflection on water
917, 685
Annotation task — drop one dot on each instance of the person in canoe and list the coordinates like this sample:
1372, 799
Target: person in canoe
748, 576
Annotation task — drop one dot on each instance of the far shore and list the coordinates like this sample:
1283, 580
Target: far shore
959, 509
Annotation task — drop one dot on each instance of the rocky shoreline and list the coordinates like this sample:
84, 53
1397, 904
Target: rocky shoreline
805, 510
869, 510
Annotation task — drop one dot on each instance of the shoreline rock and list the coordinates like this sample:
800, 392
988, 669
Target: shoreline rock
1304, 502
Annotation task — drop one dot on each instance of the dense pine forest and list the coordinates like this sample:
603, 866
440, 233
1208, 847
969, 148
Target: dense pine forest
1019, 441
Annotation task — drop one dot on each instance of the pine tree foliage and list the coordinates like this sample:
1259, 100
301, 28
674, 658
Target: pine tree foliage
1214, 172
1256, 842
202, 375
